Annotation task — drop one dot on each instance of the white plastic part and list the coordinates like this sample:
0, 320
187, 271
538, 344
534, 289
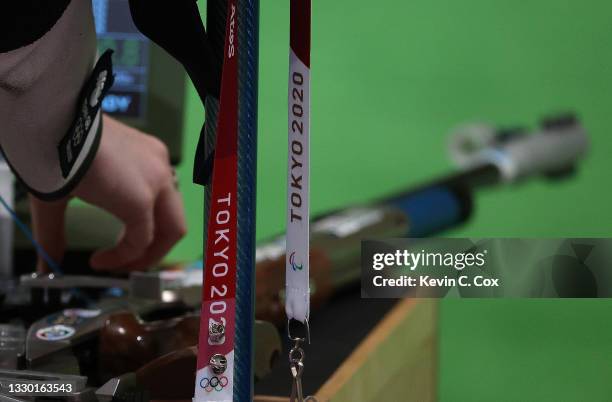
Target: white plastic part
540, 152
467, 140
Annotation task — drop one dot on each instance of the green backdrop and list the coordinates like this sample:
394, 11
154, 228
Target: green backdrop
389, 80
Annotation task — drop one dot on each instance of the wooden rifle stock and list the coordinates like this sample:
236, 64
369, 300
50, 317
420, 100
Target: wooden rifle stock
129, 344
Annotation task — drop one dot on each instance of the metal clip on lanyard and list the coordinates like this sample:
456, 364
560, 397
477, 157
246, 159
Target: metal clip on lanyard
297, 289
296, 365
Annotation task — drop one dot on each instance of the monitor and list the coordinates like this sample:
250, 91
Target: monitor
149, 87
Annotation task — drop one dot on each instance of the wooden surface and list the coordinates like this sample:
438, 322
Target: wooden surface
270, 399
396, 362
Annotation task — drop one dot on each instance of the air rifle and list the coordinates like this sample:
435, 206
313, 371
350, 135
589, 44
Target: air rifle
486, 157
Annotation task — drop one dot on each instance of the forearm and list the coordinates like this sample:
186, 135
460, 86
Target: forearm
40, 87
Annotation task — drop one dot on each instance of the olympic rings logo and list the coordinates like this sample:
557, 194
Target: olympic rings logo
214, 383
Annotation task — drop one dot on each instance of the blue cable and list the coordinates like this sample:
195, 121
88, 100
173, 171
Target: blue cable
26, 231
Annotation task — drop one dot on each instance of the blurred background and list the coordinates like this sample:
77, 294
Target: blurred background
389, 81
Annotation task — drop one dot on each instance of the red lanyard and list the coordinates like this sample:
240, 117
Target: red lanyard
215, 366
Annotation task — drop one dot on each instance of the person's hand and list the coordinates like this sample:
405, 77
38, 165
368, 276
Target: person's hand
131, 178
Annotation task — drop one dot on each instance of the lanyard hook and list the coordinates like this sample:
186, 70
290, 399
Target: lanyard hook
305, 331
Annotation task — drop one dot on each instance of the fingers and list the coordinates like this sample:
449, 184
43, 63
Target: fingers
131, 178
143, 247
48, 228
137, 236
170, 227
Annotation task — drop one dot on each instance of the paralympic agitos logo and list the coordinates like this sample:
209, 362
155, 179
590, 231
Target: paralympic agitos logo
295, 266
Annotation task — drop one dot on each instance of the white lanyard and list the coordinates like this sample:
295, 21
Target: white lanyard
297, 291
297, 286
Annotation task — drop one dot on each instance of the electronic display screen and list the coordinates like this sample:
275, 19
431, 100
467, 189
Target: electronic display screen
116, 30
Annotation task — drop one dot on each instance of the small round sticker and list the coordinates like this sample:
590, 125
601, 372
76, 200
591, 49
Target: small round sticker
55, 333
81, 313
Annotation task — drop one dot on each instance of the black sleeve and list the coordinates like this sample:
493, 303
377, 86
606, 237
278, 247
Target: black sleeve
23, 22
49, 130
